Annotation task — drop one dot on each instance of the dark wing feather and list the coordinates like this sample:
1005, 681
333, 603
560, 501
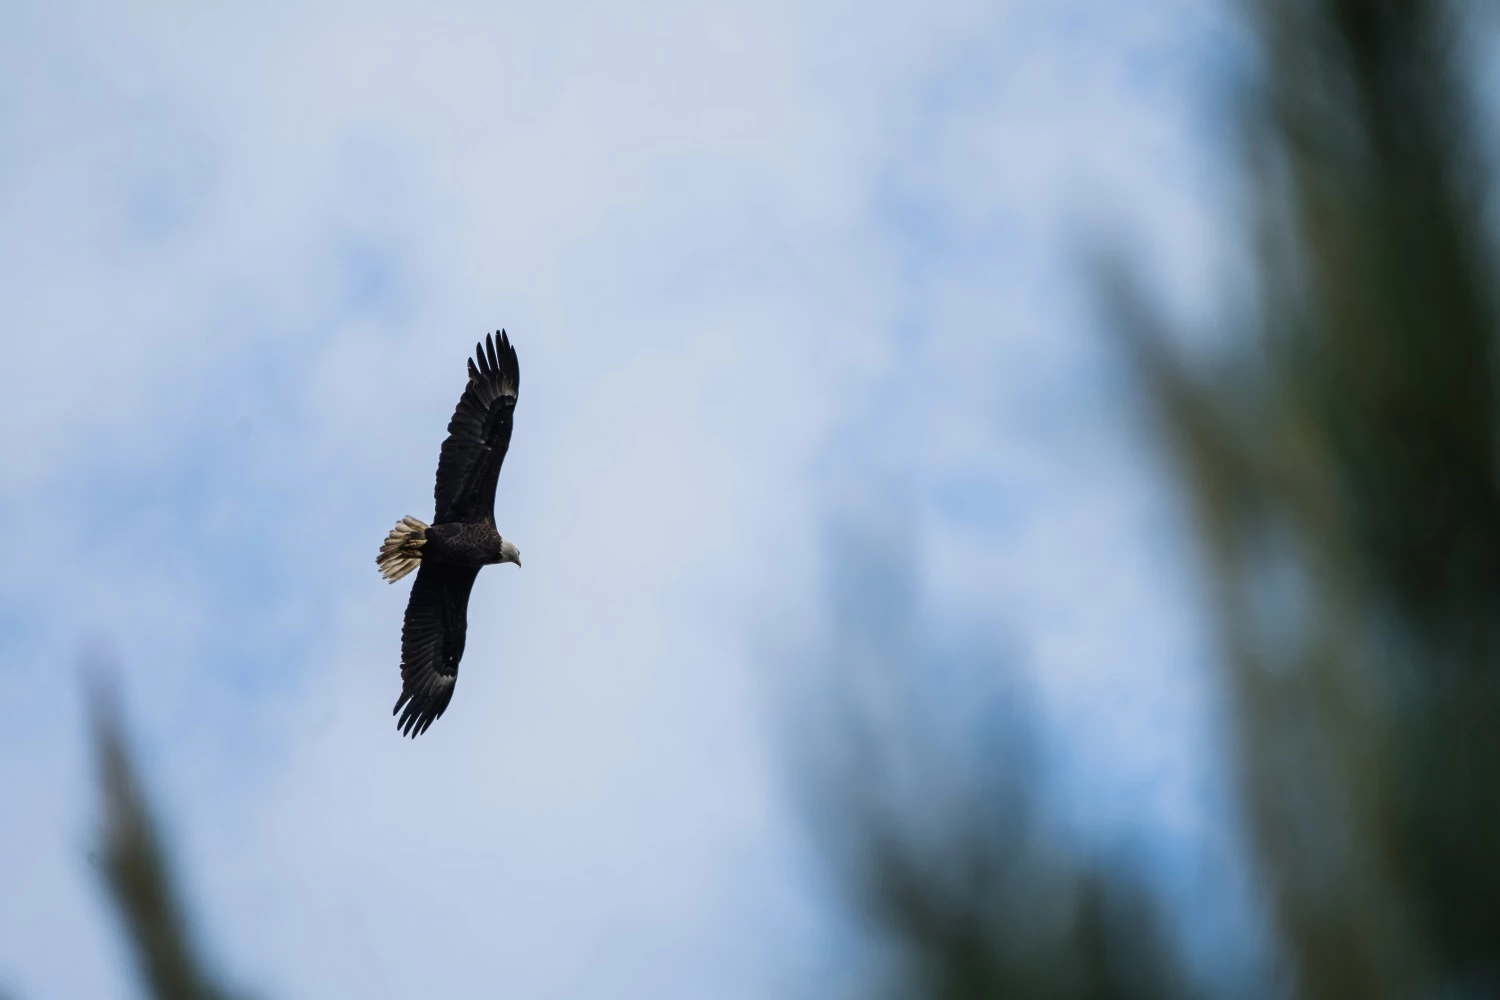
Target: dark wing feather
432, 643
478, 434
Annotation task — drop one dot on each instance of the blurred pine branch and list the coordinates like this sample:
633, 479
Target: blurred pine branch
1341, 457
137, 871
1348, 460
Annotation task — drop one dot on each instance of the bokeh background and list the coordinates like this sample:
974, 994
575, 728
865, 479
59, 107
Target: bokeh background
840, 483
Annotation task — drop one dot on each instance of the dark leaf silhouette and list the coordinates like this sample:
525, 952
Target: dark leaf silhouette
1341, 459
137, 871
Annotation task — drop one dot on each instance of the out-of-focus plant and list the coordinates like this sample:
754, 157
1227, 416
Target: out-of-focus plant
1342, 458
916, 767
137, 872
1345, 472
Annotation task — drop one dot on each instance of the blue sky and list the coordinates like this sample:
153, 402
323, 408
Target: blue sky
765, 264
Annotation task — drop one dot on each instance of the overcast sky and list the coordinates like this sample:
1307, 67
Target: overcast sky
757, 259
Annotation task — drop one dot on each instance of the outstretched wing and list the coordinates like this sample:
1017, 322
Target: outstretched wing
478, 434
432, 643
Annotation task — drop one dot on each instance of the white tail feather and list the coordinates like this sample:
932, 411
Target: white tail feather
401, 552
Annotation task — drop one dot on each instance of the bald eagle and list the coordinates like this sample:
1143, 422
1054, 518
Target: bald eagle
448, 553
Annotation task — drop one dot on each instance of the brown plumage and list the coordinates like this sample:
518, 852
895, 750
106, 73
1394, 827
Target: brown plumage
448, 554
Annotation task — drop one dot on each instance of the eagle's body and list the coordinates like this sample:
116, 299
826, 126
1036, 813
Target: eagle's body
463, 543
462, 538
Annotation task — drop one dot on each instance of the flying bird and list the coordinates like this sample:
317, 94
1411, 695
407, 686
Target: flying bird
448, 553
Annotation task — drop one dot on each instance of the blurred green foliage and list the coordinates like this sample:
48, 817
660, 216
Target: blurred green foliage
1352, 464
137, 872
1340, 456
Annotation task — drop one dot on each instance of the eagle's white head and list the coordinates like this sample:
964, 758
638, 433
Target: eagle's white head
508, 552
